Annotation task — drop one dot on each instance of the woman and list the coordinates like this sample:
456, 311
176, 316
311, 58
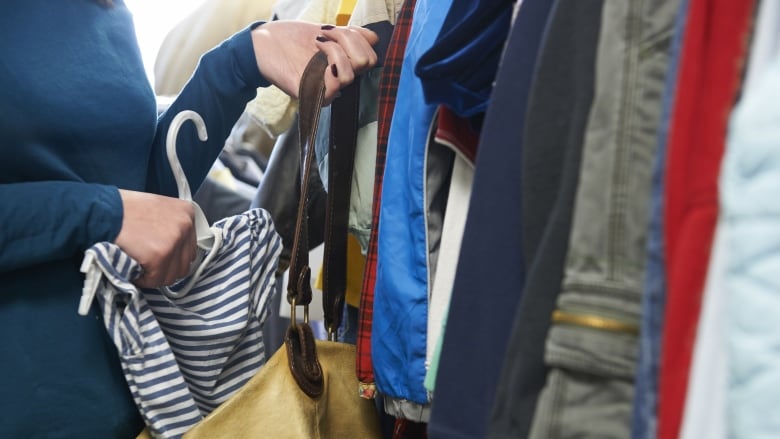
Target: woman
82, 160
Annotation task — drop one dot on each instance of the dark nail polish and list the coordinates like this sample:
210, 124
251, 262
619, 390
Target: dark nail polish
334, 70
327, 27
321, 38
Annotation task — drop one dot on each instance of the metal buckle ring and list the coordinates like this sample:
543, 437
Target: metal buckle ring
293, 319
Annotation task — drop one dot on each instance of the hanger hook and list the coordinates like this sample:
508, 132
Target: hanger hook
170, 147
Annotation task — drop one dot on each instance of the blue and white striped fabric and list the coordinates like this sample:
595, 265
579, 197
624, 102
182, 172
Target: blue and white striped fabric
184, 353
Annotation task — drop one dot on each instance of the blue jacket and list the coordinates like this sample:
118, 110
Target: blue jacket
77, 121
398, 342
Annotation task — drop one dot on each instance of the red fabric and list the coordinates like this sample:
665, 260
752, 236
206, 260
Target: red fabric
456, 132
388, 86
405, 429
713, 53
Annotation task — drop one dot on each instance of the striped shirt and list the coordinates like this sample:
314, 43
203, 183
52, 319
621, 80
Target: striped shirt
185, 352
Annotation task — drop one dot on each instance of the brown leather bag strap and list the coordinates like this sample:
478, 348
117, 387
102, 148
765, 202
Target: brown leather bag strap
299, 340
343, 139
341, 163
311, 94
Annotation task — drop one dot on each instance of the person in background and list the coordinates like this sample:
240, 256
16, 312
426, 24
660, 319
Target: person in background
82, 160
196, 34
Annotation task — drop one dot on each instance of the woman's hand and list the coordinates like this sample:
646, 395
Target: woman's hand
283, 48
159, 233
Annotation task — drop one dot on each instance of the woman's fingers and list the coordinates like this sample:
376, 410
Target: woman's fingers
349, 53
339, 72
182, 256
356, 42
283, 48
159, 233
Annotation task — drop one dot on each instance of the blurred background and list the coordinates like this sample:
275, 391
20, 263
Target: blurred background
153, 20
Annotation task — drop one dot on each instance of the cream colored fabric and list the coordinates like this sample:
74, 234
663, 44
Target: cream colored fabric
452, 234
272, 110
289, 9
375, 11
206, 27
361, 198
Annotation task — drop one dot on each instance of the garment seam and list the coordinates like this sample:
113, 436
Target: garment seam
557, 400
623, 147
567, 361
598, 288
429, 281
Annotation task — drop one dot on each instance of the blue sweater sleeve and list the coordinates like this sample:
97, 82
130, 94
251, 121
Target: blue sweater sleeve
56, 214
65, 216
226, 79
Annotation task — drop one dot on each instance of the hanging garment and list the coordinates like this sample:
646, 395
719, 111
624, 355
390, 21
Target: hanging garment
398, 343
592, 344
460, 67
750, 210
489, 283
765, 42
365, 155
388, 86
378, 16
644, 422
187, 348
369, 12
439, 161
558, 108
455, 136
712, 56
705, 404
356, 263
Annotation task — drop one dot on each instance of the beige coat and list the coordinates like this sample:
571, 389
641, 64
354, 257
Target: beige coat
206, 27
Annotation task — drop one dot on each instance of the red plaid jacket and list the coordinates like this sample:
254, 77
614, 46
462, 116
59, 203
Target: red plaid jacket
388, 87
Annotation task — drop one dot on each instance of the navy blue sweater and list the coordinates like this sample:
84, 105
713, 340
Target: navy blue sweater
77, 121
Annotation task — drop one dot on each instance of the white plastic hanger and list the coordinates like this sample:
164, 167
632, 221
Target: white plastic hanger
207, 239
203, 231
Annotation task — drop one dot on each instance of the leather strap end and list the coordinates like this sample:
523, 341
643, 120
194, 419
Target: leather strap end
302, 359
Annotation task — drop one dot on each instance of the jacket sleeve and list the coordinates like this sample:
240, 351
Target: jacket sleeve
38, 232
227, 77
